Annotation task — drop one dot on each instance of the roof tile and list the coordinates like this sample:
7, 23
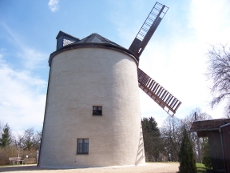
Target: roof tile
207, 125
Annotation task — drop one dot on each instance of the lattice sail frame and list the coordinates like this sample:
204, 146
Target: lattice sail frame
148, 28
160, 95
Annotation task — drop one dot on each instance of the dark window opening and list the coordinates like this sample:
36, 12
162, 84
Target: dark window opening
82, 146
97, 110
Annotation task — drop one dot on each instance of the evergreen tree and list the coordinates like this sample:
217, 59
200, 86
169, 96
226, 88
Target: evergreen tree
5, 140
206, 154
186, 155
152, 140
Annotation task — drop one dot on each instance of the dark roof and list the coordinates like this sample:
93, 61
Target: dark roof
93, 38
68, 42
96, 38
208, 125
61, 33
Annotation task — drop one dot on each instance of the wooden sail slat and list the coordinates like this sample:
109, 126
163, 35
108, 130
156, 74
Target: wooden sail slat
159, 94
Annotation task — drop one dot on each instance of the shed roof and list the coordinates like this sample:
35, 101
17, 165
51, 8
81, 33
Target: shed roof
208, 125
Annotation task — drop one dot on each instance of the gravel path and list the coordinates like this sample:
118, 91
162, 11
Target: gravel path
147, 168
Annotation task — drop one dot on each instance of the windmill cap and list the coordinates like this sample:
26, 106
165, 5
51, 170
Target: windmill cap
67, 42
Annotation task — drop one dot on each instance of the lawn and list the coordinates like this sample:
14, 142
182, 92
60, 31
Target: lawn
200, 168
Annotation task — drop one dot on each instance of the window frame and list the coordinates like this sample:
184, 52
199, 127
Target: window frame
83, 148
97, 110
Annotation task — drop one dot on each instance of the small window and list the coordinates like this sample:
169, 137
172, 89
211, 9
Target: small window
97, 110
82, 146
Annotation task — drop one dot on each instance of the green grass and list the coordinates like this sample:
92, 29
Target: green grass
200, 168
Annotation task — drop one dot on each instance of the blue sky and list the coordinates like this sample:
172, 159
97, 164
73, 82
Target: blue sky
175, 57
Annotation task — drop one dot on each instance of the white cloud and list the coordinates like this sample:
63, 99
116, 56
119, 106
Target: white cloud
53, 5
209, 20
22, 92
31, 58
22, 100
177, 58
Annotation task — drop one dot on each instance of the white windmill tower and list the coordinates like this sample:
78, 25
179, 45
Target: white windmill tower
92, 114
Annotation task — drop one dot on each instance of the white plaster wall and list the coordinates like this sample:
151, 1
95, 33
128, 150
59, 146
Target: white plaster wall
79, 79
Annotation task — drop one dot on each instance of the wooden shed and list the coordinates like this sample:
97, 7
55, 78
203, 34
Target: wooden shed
217, 132
225, 138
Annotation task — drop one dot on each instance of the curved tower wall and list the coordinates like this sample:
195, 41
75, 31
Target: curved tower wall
80, 79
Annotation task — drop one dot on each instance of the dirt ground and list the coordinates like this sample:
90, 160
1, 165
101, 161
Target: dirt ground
147, 168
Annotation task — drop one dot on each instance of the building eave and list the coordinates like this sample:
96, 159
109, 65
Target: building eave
93, 45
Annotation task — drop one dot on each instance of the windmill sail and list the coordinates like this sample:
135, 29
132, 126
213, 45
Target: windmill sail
161, 96
148, 28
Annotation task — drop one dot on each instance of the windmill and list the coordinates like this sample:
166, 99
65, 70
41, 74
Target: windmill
160, 95
154, 90
92, 107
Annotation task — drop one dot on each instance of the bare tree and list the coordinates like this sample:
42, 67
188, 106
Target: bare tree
29, 140
196, 115
172, 129
219, 72
172, 136
1, 126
